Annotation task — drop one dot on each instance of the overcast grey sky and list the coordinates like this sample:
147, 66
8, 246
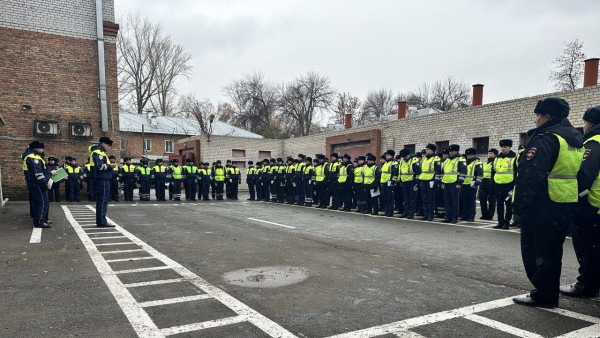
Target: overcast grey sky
365, 45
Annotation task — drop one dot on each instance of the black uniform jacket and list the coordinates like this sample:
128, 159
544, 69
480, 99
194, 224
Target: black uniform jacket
531, 201
588, 172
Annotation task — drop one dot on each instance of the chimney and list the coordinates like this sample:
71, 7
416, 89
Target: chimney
590, 73
401, 109
477, 95
348, 121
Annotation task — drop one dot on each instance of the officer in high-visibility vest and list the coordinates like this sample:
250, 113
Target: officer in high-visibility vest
546, 196
371, 184
251, 180
419, 204
453, 175
440, 203
279, 181
332, 181
38, 181
266, 180
54, 192
258, 181
213, 186
204, 182
88, 176
398, 201
345, 180
299, 179
409, 171
190, 173
472, 180
389, 174
359, 189
128, 178
144, 179
274, 171
504, 171
103, 171
288, 181
73, 180
586, 230
487, 195
308, 180
219, 176
315, 197
430, 167
176, 173
321, 181
114, 180
228, 180
236, 180
159, 177
65, 165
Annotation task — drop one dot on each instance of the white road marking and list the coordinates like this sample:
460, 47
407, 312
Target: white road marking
36, 235
155, 282
153, 268
502, 327
129, 259
244, 312
575, 315
273, 223
120, 251
586, 332
174, 300
120, 243
204, 325
107, 237
103, 232
408, 334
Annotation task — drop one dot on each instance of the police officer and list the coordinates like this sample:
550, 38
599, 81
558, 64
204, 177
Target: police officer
472, 180
545, 198
359, 190
389, 174
176, 172
419, 204
88, 176
487, 195
114, 180
371, 184
430, 168
65, 165
74, 173
228, 180
504, 173
409, 170
38, 180
398, 202
332, 181
159, 178
128, 177
440, 202
266, 180
308, 179
251, 180
279, 181
315, 197
258, 181
453, 175
236, 180
273, 170
145, 180
586, 230
103, 171
345, 181
290, 181
219, 175
321, 181
190, 172
54, 193
204, 183
213, 186
298, 179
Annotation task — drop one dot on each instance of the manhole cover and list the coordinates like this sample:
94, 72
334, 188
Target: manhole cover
266, 277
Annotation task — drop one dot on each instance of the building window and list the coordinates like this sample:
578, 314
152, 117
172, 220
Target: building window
411, 147
481, 144
238, 153
264, 154
168, 146
240, 164
122, 144
147, 145
442, 145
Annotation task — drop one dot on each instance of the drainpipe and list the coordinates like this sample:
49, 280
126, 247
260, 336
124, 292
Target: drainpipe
101, 71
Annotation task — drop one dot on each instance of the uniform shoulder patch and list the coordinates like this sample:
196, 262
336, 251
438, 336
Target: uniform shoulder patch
531, 153
587, 154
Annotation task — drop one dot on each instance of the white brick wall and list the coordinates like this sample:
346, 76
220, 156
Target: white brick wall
73, 18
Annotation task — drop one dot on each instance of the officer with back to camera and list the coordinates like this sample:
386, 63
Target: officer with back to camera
103, 171
545, 198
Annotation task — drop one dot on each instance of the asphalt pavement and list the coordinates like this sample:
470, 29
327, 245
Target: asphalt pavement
245, 269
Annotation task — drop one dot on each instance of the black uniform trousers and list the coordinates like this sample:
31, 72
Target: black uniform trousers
300, 195
159, 188
409, 196
334, 192
54, 193
387, 195
487, 198
38, 202
280, 190
203, 189
322, 194
259, 191
213, 189
586, 242
114, 190
290, 191
128, 187
502, 191
74, 189
190, 189
542, 249
451, 200
251, 190
219, 189
266, 190
176, 189
90, 189
228, 189
372, 205
359, 191
468, 196
67, 187
398, 203
428, 191
346, 195
102, 189
308, 193
145, 190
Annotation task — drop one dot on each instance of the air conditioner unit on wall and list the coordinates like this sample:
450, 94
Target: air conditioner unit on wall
46, 128
80, 129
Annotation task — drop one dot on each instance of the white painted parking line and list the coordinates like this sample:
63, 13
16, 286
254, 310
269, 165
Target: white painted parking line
36, 235
408, 334
174, 300
107, 237
129, 259
502, 327
155, 282
204, 325
120, 243
103, 233
153, 268
120, 251
575, 315
273, 223
586, 332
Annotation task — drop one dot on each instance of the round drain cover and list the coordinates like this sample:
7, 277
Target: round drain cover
266, 277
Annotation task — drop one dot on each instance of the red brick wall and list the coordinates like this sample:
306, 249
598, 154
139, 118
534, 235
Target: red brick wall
58, 77
373, 136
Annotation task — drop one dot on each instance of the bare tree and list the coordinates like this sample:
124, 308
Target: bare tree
201, 110
305, 97
225, 112
149, 62
449, 94
568, 67
378, 103
345, 104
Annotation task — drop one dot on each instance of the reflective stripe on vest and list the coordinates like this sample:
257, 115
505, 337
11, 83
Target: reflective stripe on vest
320, 172
219, 174
428, 168
386, 172
71, 170
176, 172
504, 170
406, 169
471, 171
487, 170
343, 173
562, 180
35, 156
358, 174
159, 168
451, 170
144, 171
369, 174
594, 194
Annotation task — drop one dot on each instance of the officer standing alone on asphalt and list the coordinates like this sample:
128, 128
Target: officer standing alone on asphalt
586, 230
103, 170
545, 198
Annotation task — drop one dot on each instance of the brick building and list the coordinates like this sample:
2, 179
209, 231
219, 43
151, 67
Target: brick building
50, 80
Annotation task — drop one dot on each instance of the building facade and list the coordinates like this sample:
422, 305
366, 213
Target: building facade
50, 82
